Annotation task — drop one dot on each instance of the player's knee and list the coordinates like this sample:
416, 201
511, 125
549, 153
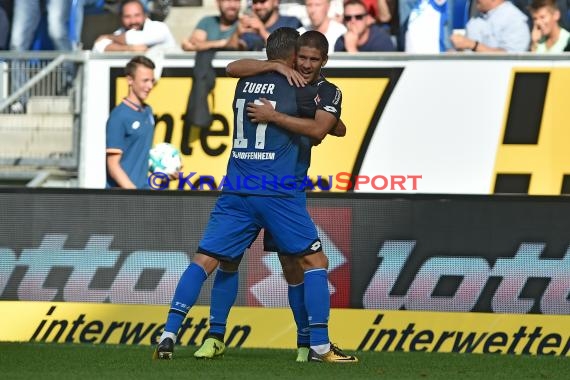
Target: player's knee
315, 261
292, 270
207, 262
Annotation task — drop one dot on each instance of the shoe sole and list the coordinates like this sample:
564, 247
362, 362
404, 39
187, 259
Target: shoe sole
163, 355
319, 360
208, 357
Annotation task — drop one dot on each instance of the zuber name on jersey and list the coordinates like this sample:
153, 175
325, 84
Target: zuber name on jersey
258, 88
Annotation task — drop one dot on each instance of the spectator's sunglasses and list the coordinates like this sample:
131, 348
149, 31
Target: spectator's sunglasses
347, 18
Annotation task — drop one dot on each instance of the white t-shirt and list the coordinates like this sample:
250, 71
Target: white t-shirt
154, 34
426, 27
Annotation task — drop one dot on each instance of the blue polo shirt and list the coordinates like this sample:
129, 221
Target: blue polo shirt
131, 131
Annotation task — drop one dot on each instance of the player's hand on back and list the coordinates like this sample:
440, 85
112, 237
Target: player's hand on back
293, 76
260, 113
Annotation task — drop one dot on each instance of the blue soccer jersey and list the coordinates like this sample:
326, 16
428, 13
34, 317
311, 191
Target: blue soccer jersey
320, 95
264, 156
261, 185
130, 132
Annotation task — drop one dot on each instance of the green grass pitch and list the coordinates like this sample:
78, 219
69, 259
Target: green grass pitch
75, 361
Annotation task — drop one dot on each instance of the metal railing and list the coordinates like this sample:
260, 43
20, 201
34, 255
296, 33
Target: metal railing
40, 108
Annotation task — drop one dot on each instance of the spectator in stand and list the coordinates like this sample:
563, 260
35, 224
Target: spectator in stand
318, 11
213, 32
5, 17
427, 28
254, 28
564, 22
363, 34
500, 27
547, 36
26, 19
138, 33
404, 10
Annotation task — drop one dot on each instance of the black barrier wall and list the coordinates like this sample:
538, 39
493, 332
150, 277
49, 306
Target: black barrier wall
410, 252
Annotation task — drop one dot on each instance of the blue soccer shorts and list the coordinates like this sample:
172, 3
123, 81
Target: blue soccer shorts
236, 221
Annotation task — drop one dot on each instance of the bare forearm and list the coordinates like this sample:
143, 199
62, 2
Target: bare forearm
207, 45
118, 47
482, 48
119, 39
118, 174
384, 10
339, 130
247, 67
305, 127
121, 178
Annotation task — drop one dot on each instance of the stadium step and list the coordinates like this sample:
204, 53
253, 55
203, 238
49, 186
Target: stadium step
35, 135
39, 105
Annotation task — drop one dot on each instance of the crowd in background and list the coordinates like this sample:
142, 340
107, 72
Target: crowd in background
413, 26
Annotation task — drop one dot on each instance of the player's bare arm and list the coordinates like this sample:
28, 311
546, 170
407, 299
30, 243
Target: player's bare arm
198, 41
116, 171
339, 130
249, 67
316, 128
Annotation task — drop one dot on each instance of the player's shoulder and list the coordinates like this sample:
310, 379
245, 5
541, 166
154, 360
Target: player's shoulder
119, 110
328, 90
122, 114
149, 111
323, 83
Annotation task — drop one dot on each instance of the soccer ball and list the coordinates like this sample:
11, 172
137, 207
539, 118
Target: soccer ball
164, 157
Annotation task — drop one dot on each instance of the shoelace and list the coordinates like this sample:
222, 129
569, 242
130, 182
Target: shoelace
338, 351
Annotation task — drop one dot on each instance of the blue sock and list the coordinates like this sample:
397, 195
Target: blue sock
224, 293
317, 302
296, 295
185, 296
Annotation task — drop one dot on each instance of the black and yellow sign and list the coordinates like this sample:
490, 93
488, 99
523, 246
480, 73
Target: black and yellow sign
250, 327
532, 157
206, 150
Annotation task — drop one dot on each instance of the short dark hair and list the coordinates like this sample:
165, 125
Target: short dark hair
139, 60
125, 2
314, 39
535, 5
281, 43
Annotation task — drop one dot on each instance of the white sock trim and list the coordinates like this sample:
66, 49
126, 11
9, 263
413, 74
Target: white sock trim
315, 270
226, 271
322, 348
167, 334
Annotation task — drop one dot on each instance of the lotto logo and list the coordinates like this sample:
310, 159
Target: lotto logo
316, 246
